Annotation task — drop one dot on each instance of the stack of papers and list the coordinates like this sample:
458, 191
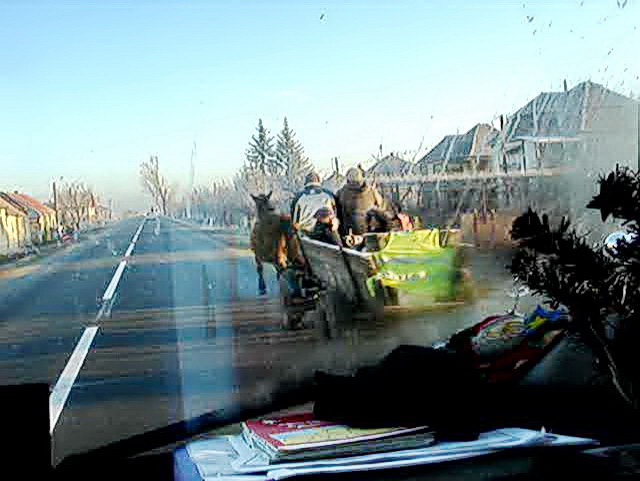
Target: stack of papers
230, 458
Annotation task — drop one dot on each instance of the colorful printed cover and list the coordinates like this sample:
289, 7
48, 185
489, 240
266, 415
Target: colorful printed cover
504, 347
302, 431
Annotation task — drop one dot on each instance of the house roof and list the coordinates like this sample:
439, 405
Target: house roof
18, 204
391, 165
455, 149
26, 202
562, 114
11, 208
333, 182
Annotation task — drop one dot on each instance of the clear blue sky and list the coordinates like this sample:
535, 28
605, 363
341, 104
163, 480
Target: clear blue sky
90, 89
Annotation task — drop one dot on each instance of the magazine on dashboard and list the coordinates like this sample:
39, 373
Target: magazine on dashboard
301, 436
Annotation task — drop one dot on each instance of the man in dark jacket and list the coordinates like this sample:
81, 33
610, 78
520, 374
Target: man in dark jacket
356, 198
326, 228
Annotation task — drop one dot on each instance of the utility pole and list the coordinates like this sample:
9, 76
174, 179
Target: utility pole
55, 202
192, 175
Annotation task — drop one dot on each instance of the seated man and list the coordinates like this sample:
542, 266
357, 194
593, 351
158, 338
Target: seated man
326, 227
377, 221
306, 203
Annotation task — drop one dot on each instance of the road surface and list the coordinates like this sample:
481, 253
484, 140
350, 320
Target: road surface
153, 321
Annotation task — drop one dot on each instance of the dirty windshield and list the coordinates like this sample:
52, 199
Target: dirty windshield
204, 203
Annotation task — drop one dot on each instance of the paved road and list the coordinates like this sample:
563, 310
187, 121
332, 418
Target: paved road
141, 368
175, 332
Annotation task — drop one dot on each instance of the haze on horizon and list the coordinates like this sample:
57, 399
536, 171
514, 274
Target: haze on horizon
90, 89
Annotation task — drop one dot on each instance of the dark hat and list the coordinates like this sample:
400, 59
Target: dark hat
312, 178
323, 212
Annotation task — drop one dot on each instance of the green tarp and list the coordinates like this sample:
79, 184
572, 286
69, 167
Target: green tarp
417, 266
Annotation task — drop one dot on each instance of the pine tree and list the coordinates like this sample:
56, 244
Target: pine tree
260, 154
290, 158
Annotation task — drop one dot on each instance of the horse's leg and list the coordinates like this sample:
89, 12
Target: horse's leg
281, 253
262, 286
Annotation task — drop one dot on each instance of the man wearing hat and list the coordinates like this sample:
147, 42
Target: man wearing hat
307, 202
326, 228
355, 199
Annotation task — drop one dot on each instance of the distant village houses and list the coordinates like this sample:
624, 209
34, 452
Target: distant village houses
589, 124
15, 232
41, 220
390, 165
460, 153
26, 222
554, 138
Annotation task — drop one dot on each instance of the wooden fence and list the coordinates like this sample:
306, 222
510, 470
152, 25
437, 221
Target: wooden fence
483, 204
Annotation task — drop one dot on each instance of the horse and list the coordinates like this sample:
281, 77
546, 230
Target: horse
273, 240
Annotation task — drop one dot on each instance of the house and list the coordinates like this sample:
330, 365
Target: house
14, 228
460, 153
333, 182
557, 129
390, 166
42, 219
103, 213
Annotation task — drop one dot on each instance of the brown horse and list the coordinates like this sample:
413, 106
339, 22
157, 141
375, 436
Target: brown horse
273, 240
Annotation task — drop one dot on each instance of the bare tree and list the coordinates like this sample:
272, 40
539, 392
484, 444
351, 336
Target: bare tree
155, 183
75, 201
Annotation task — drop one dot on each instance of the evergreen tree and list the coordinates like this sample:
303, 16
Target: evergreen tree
260, 154
290, 159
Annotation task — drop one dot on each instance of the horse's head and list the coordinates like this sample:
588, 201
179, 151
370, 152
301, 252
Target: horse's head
263, 203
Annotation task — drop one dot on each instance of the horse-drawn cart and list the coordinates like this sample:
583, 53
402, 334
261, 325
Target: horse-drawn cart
394, 270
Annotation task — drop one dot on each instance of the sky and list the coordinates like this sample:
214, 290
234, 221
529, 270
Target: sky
89, 89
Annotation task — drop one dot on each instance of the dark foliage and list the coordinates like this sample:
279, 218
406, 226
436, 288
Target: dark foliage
619, 196
600, 290
535, 233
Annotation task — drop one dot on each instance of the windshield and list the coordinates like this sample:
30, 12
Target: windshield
164, 252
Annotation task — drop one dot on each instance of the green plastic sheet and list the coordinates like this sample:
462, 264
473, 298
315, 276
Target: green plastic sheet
417, 266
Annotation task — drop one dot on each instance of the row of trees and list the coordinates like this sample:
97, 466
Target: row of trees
281, 167
272, 163
76, 204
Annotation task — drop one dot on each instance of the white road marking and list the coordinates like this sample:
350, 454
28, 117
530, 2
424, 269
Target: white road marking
111, 288
137, 234
63, 386
65, 382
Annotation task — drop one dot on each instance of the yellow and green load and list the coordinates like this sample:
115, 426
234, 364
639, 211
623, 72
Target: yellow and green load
418, 266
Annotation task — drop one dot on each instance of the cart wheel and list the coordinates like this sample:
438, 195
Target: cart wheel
328, 317
291, 321
286, 322
284, 301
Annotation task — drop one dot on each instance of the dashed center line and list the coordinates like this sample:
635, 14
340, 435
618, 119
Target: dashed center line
65, 382
111, 288
137, 234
